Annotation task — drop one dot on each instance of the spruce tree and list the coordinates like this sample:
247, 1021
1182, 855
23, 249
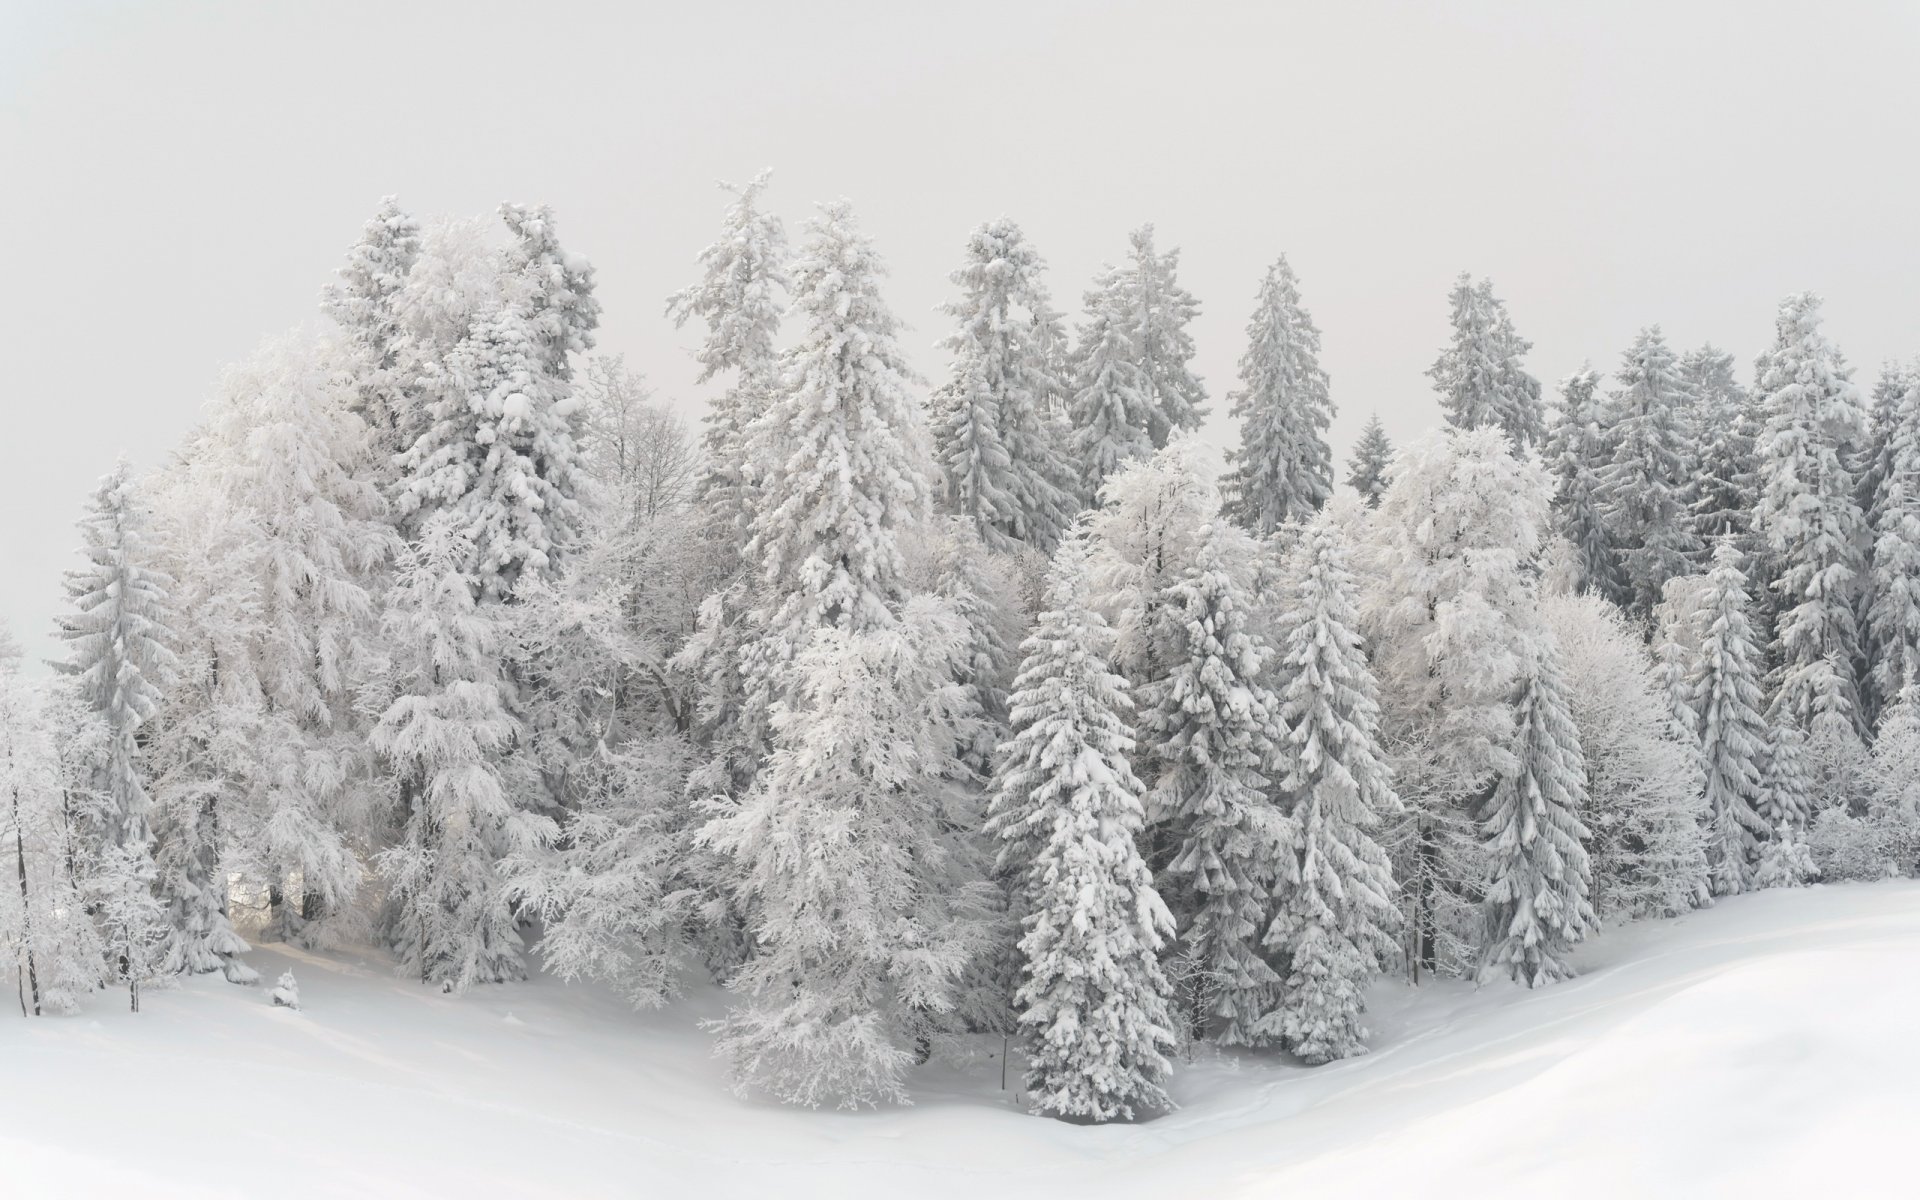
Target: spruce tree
743, 274
1536, 905
1369, 471
1579, 453
991, 435
1875, 464
1283, 470
1732, 732
554, 289
1109, 411
1158, 312
1210, 727
365, 303
1721, 493
1067, 810
1643, 487
1810, 517
1336, 921
1479, 376
1893, 614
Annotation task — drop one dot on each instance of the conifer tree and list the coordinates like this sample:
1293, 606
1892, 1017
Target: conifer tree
1478, 375
553, 288
991, 435
1732, 731
1809, 515
1158, 312
1336, 921
1579, 454
1210, 725
1283, 470
1893, 615
1724, 424
1785, 791
1643, 487
1875, 463
1067, 808
743, 274
1369, 471
1109, 412
1536, 904
365, 303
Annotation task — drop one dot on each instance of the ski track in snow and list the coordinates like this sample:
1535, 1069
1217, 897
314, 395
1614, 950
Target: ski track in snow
1763, 1047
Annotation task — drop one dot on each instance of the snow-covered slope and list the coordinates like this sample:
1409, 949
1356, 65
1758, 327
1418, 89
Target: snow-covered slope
1768, 1046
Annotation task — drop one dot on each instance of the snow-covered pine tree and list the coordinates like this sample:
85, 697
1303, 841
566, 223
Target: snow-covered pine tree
1810, 518
1209, 727
364, 302
446, 737
947, 559
743, 274
1643, 489
862, 929
1336, 922
1110, 406
1283, 470
132, 920
1067, 810
1875, 462
117, 643
1450, 619
1367, 470
1732, 731
991, 435
551, 286
1893, 614
1786, 799
1159, 310
1478, 375
1644, 810
1536, 905
1578, 453
1724, 424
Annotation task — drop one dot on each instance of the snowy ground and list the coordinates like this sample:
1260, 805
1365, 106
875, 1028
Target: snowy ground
1769, 1046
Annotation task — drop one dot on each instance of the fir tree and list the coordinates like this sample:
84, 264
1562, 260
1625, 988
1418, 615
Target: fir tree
743, 274
1369, 471
1479, 377
1643, 488
1109, 412
1811, 520
1336, 922
991, 434
1210, 727
1724, 424
1579, 455
365, 303
1283, 470
1067, 808
1158, 312
553, 288
1536, 903
1893, 615
1732, 732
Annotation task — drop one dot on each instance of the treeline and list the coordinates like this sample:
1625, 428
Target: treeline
914, 716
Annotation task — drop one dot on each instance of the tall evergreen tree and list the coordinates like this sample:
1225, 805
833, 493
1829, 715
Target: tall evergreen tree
1810, 517
1579, 454
1643, 488
1721, 492
1369, 471
1283, 470
1211, 727
365, 303
1536, 904
1875, 463
1893, 613
1728, 722
743, 274
1479, 376
1111, 395
991, 434
554, 288
1159, 310
1335, 924
1067, 809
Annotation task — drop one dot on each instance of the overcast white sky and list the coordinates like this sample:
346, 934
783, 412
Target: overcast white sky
179, 179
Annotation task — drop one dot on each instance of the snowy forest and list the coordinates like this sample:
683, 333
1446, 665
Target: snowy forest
981, 718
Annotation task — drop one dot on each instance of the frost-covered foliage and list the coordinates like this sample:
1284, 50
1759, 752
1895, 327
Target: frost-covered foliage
1093, 1000
1336, 921
637, 452
1786, 860
1893, 614
743, 273
1479, 376
446, 737
946, 559
1811, 521
862, 917
1283, 469
1004, 471
1536, 905
1724, 424
1450, 617
1368, 470
1644, 809
1726, 701
1579, 455
1643, 488
365, 303
1209, 727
